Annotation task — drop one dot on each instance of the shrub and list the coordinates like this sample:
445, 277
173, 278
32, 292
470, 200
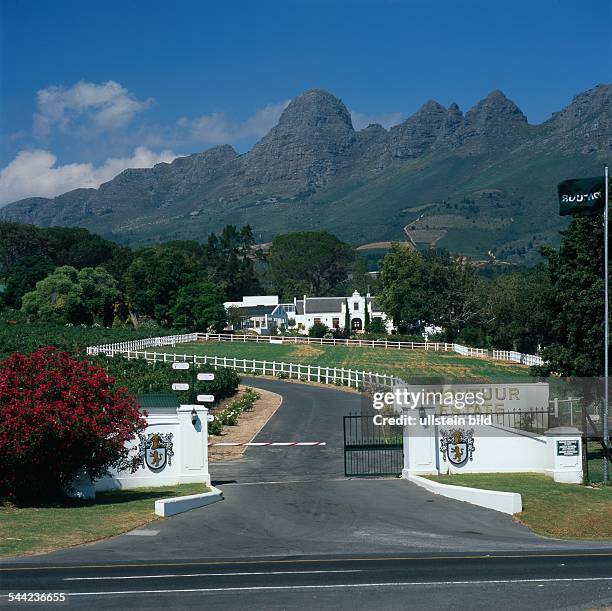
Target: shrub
318, 330
59, 415
223, 386
282, 375
215, 427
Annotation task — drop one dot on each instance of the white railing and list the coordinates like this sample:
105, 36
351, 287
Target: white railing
140, 344
304, 339
468, 351
188, 338
517, 357
308, 373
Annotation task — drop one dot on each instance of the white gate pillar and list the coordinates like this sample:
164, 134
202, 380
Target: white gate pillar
193, 447
420, 444
564, 454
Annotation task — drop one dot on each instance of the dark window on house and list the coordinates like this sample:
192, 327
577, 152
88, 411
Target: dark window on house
335, 323
317, 321
355, 306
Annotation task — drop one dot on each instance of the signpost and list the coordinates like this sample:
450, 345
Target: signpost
202, 377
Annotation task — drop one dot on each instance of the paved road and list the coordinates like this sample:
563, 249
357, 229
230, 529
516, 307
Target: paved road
294, 533
511, 581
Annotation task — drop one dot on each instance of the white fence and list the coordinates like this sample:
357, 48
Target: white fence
140, 344
187, 338
320, 341
467, 351
297, 371
517, 357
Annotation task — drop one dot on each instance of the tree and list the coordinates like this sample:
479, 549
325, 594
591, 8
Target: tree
457, 295
361, 280
153, 279
23, 276
58, 298
366, 318
100, 293
433, 288
18, 241
402, 295
347, 318
313, 262
199, 307
59, 416
519, 320
70, 296
234, 319
574, 306
230, 261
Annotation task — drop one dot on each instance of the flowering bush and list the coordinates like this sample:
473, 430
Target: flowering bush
58, 416
229, 416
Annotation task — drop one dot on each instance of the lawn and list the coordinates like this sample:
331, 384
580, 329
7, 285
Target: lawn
565, 511
407, 364
31, 530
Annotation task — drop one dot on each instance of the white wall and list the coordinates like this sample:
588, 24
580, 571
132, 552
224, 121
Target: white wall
189, 444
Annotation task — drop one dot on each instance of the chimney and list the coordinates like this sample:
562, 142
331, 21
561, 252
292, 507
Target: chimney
304, 304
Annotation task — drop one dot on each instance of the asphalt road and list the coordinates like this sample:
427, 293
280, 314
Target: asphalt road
292, 532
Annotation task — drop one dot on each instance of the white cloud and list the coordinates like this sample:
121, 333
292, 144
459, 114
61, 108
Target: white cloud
217, 128
35, 173
104, 106
387, 120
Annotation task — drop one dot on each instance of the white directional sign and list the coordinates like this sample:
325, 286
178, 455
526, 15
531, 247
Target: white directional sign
206, 398
180, 386
206, 377
180, 365
210, 417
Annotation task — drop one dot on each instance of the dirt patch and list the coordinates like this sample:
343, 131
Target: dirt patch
249, 424
307, 350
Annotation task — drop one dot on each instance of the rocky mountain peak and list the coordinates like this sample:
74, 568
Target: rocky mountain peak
494, 122
585, 126
316, 108
312, 142
495, 107
418, 132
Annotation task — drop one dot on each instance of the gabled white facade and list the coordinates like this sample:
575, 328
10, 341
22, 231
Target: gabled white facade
302, 314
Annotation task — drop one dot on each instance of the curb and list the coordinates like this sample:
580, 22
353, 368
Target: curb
505, 502
178, 504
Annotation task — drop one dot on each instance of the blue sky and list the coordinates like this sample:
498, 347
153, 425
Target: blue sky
89, 88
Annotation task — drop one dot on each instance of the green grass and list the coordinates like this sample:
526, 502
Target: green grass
42, 528
407, 364
566, 511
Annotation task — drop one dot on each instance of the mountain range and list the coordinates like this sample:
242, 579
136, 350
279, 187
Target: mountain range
482, 183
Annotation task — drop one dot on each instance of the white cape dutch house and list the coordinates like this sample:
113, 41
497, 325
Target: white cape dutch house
265, 314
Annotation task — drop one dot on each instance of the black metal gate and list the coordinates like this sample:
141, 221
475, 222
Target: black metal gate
370, 449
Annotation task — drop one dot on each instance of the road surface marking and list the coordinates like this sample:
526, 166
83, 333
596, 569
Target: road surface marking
344, 585
115, 577
483, 556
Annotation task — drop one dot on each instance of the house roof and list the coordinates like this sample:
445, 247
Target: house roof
257, 310
322, 305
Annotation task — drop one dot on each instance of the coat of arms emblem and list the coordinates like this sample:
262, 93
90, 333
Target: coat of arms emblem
457, 445
156, 450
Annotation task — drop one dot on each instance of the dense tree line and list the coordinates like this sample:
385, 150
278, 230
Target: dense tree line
63, 275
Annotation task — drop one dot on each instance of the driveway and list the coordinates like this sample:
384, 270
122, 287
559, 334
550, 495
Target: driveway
294, 502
